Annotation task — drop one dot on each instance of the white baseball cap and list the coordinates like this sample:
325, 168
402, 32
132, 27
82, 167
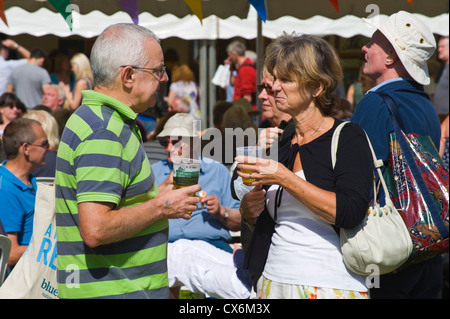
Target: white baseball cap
181, 124
412, 40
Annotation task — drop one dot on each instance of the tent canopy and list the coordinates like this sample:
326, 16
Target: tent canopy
223, 19
358, 8
220, 8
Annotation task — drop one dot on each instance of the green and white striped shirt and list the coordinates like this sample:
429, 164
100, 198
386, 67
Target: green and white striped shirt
101, 159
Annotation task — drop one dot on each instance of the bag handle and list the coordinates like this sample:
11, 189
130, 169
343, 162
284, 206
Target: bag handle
377, 163
409, 157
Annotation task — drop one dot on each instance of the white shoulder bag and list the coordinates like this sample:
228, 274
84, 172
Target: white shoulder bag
382, 239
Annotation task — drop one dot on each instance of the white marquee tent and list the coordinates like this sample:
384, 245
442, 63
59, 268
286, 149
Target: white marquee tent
222, 19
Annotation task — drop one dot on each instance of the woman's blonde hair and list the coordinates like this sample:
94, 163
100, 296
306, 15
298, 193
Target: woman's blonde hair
182, 73
49, 125
309, 61
82, 67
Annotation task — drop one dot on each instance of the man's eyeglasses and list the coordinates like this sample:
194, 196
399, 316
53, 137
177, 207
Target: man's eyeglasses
45, 144
266, 87
159, 72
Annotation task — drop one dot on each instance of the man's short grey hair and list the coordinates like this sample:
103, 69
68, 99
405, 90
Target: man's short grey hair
61, 93
237, 47
119, 44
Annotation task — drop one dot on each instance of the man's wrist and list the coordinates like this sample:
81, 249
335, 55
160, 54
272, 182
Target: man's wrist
226, 214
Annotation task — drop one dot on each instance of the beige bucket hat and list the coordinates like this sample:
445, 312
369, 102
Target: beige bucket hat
412, 40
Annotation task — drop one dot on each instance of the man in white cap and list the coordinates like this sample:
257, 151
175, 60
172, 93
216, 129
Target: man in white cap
199, 253
396, 58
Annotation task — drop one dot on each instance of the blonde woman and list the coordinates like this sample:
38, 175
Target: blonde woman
184, 86
81, 67
50, 127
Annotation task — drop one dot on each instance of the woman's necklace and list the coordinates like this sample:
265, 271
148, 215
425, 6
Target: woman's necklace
311, 134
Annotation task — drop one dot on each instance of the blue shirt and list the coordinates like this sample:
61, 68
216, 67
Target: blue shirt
215, 179
17, 205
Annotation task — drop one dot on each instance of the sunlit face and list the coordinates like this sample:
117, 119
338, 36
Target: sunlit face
10, 113
147, 82
289, 96
375, 56
233, 57
443, 49
51, 98
266, 95
176, 148
37, 149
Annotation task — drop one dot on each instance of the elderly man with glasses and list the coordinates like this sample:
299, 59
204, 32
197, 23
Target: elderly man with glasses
112, 225
25, 145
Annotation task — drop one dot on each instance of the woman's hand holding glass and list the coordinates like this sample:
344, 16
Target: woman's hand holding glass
252, 205
262, 171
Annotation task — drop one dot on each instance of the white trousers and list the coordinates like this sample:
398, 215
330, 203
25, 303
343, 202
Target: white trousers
204, 268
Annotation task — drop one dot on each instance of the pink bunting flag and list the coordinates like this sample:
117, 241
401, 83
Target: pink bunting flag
131, 7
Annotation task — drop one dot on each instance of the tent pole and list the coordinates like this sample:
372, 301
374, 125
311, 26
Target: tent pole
203, 76
260, 62
212, 59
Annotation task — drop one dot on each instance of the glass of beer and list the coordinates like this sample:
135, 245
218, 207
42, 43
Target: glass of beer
185, 172
250, 153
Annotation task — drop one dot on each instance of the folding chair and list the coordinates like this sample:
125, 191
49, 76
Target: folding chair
5, 250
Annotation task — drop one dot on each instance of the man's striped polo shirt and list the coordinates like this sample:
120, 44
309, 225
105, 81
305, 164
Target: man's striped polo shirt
101, 159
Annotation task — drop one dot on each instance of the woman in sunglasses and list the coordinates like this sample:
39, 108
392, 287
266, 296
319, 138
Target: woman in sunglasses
11, 108
274, 118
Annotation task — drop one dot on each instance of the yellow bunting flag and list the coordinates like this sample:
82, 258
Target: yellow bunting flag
196, 8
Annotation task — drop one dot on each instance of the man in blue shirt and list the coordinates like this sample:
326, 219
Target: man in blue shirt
220, 213
25, 145
214, 272
396, 59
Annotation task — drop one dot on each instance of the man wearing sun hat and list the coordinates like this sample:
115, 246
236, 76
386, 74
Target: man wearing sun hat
396, 58
199, 254
180, 138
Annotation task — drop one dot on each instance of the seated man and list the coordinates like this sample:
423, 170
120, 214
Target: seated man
25, 145
54, 97
209, 224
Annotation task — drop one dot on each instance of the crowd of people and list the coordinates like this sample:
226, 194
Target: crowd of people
90, 127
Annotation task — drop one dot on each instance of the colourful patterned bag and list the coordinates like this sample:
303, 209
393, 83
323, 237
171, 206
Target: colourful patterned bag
418, 182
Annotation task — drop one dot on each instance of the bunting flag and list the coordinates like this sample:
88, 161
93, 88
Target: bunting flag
196, 8
260, 7
2, 13
131, 7
335, 4
64, 8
